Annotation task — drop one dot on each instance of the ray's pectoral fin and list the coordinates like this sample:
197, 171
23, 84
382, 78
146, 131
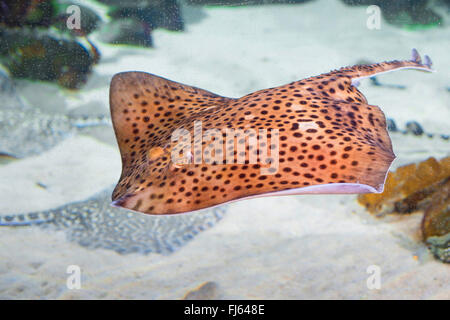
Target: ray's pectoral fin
146, 110
334, 142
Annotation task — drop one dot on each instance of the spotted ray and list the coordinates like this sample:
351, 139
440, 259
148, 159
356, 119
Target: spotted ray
27, 131
330, 140
93, 223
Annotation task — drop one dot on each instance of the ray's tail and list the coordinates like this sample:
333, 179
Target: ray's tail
359, 72
27, 219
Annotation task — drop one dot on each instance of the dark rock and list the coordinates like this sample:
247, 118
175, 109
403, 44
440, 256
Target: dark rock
414, 127
391, 126
242, 2
206, 291
6, 84
132, 22
126, 31
34, 13
37, 55
159, 14
404, 13
436, 223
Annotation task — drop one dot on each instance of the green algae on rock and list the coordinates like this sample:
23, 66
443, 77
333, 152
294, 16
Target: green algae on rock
408, 188
421, 187
436, 223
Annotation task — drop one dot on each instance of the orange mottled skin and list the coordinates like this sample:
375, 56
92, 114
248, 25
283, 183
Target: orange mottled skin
328, 134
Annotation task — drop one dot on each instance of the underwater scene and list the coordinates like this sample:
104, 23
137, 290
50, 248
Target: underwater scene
224, 149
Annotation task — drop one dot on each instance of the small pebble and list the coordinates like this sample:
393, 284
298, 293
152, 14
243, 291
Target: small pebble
414, 127
391, 126
41, 185
206, 291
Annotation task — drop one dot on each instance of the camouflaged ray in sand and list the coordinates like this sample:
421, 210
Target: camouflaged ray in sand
26, 131
330, 139
93, 223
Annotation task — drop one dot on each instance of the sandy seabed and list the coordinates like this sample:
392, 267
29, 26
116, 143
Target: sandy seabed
272, 248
